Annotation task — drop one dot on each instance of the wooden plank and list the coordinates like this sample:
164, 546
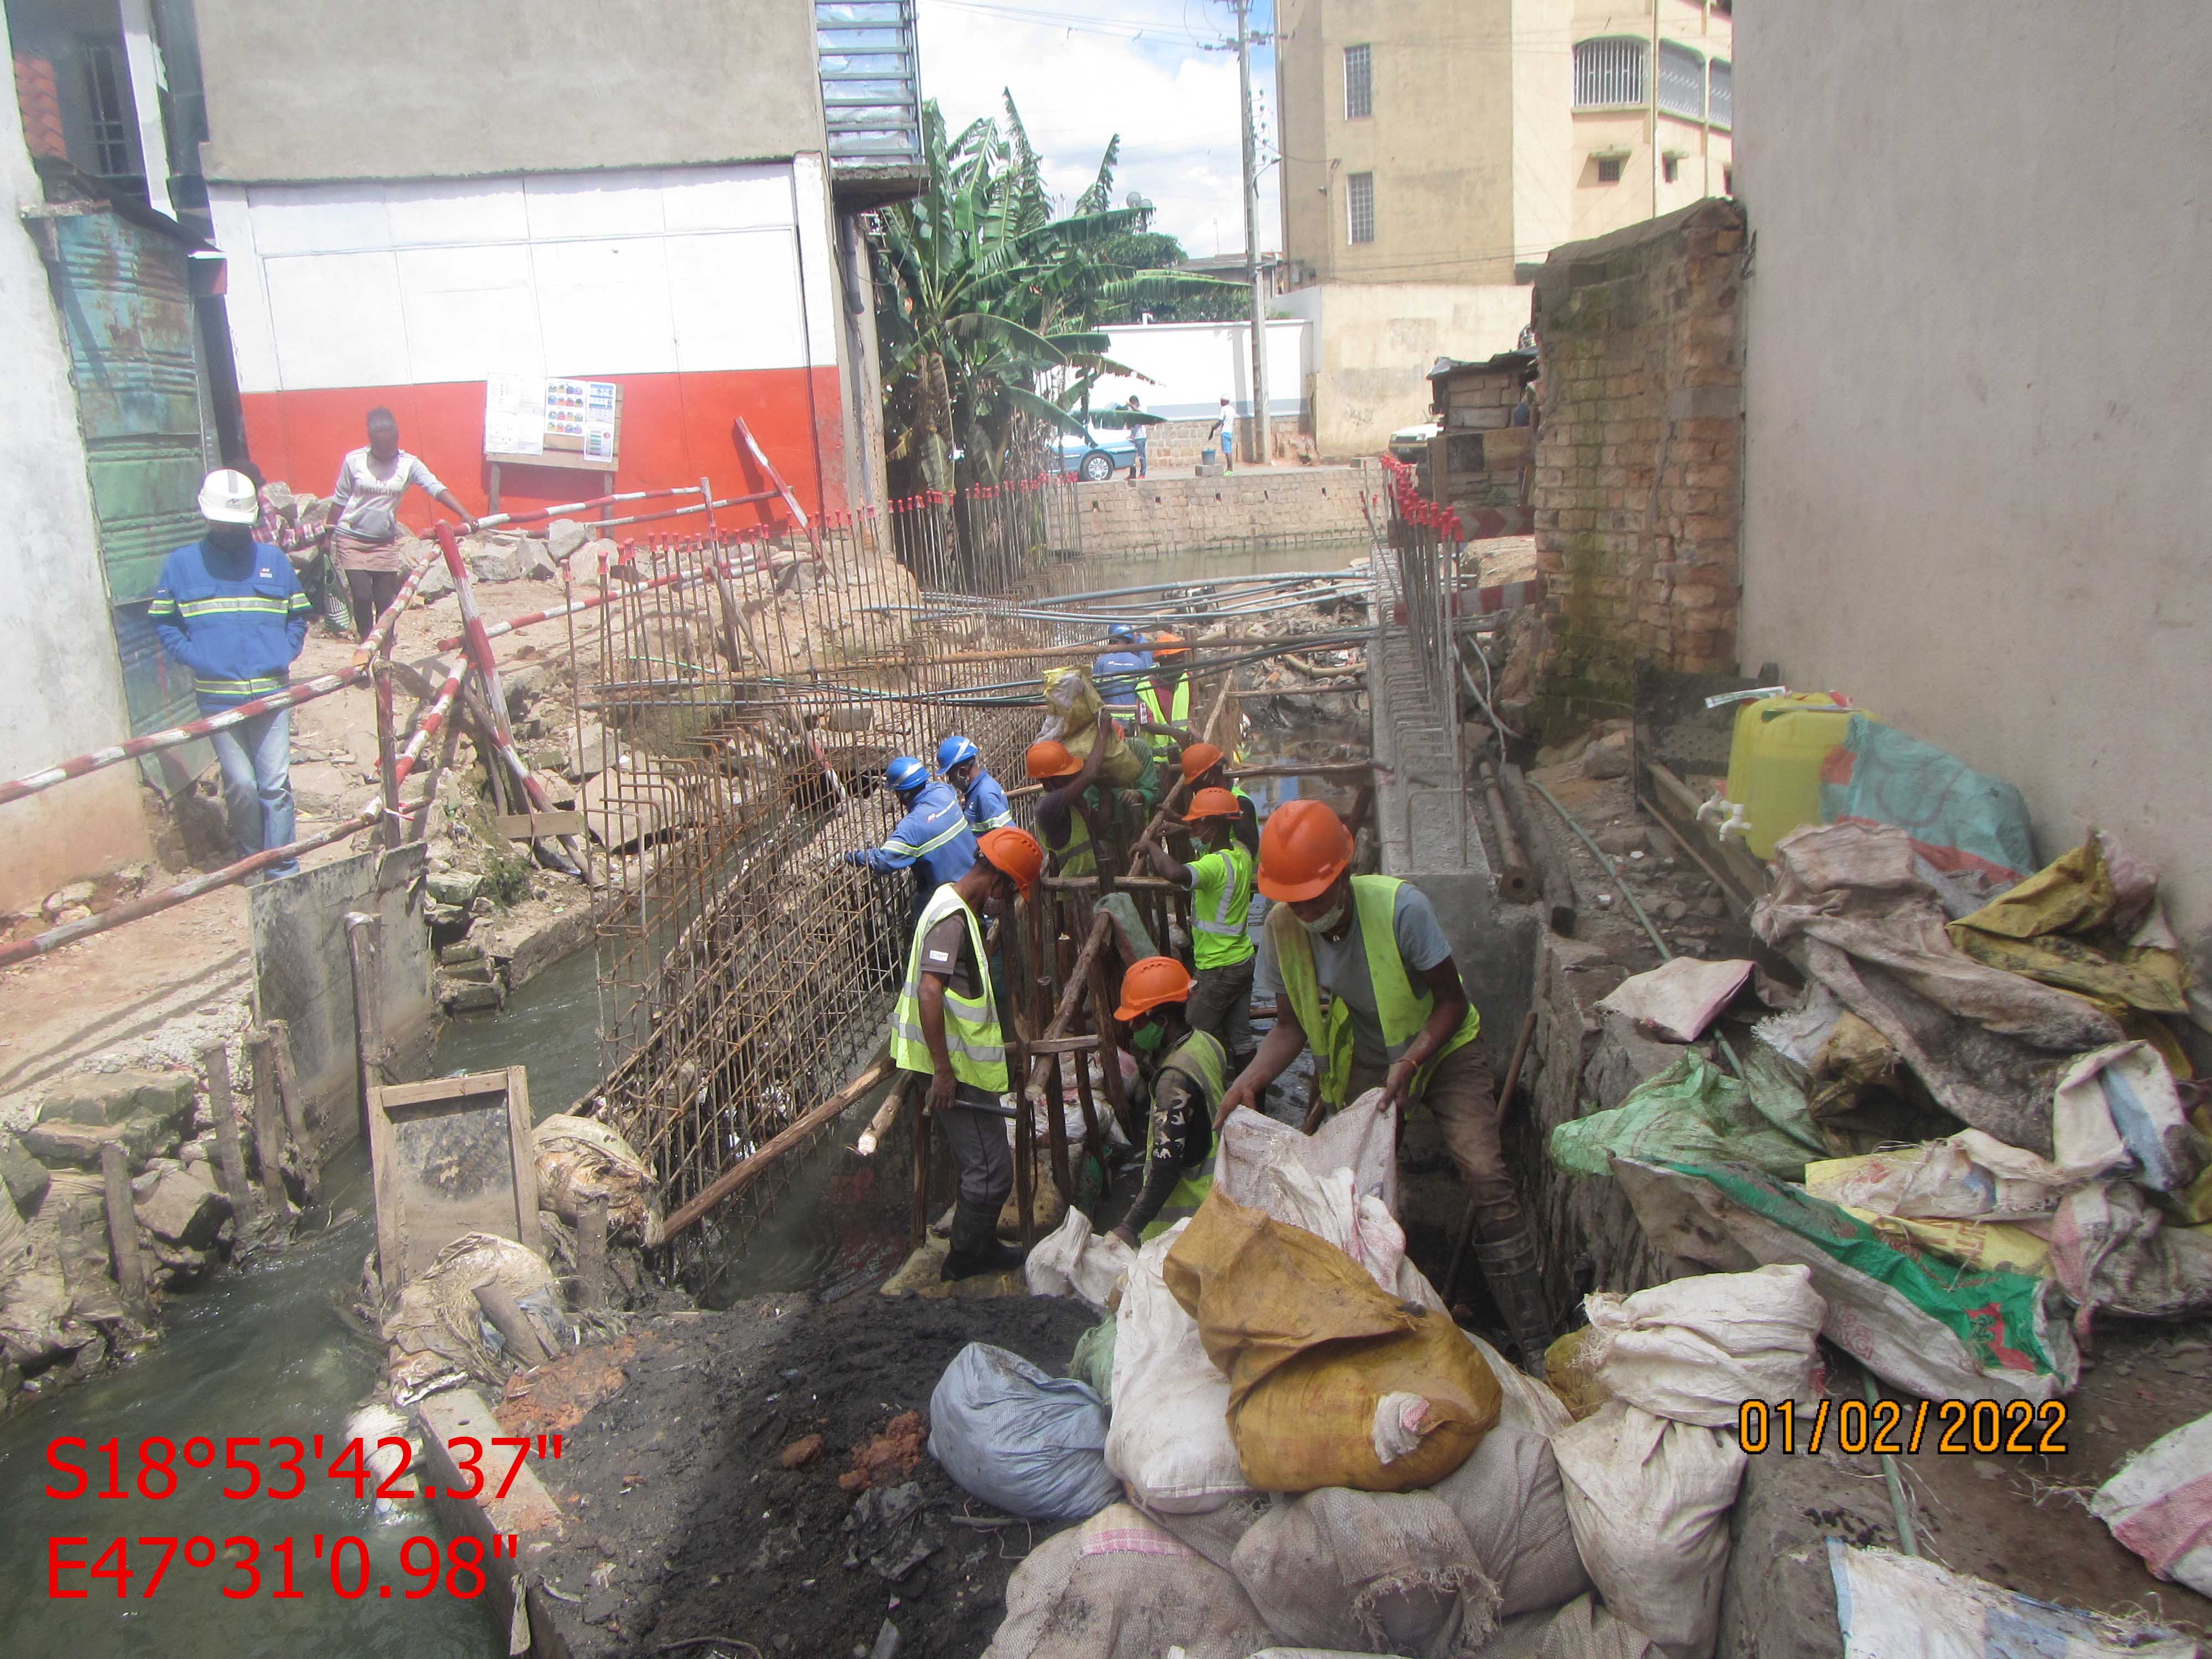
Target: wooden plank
414, 1147
534, 826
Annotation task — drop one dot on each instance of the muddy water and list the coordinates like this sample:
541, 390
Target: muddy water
264, 1352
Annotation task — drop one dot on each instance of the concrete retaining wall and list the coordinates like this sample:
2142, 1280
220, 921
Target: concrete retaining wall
1279, 504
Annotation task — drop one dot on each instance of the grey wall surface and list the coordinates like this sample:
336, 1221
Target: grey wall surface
303, 975
1978, 438
448, 88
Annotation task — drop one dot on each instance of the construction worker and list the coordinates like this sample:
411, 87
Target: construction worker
1220, 883
981, 797
1205, 767
1115, 670
932, 839
1064, 814
945, 1027
1163, 693
1398, 1016
1183, 1070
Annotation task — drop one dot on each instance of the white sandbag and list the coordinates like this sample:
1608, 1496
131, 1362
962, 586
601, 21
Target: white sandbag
1580, 1630
1175, 1454
1891, 1605
581, 1158
1362, 1138
1118, 1587
1525, 1401
1970, 1176
1073, 1261
1510, 1497
1648, 1501
1680, 997
1027, 1443
2118, 1109
1694, 1350
2160, 1505
1393, 1572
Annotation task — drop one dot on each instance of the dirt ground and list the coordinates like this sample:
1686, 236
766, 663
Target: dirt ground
685, 1521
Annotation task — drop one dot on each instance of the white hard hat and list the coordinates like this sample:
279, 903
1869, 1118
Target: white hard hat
228, 497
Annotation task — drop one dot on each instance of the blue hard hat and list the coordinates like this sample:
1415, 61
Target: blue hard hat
953, 751
1122, 633
906, 773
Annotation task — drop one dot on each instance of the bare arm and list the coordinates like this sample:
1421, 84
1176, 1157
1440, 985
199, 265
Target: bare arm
1168, 867
446, 498
1101, 735
931, 999
1443, 1019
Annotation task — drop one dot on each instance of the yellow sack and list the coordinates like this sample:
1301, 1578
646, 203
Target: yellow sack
1570, 1366
1985, 1246
1072, 705
1323, 1365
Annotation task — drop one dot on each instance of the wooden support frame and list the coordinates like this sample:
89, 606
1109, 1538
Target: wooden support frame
409, 1124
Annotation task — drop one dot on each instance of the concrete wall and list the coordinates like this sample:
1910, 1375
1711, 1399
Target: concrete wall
61, 686
1703, 152
1637, 456
429, 89
1169, 514
1980, 448
1191, 367
1374, 345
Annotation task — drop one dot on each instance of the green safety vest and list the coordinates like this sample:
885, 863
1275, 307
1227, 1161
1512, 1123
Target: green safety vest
1200, 1058
1178, 710
1401, 1004
973, 1041
1077, 856
1219, 940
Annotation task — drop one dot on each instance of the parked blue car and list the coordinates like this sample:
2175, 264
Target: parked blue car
1096, 457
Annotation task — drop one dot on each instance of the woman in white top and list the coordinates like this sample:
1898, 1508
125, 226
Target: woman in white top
366, 542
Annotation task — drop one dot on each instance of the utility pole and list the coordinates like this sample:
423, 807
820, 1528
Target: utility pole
1264, 452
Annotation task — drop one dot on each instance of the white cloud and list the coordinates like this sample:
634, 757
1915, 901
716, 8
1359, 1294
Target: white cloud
1134, 67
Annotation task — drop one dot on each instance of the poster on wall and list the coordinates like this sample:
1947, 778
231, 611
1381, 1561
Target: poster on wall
552, 422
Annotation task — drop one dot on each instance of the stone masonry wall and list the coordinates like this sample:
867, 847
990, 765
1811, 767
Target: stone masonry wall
1282, 504
1637, 460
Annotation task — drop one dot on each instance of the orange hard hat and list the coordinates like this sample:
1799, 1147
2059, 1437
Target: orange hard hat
1303, 847
1049, 758
1198, 759
1213, 803
1169, 645
1151, 982
1013, 853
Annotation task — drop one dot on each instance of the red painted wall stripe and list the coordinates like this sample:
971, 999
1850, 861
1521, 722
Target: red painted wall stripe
675, 430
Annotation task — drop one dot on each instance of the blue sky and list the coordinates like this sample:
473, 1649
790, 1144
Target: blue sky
1141, 68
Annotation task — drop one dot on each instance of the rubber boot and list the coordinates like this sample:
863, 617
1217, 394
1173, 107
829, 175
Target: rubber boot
1516, 1285
976, 1248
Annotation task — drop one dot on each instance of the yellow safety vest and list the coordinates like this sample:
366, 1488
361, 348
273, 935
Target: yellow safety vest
1402, 1004
1178, 704
1220, 940
973, 1041
1077, 855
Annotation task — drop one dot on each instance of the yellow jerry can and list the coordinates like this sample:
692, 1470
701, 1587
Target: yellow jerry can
1775, 758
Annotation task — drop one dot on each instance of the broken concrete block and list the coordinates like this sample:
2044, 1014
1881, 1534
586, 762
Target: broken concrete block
23, 1176
77, 894
1607, 757
477, 972
539, 567
524, 683
564, 536
460, 950
436, 581
78, 1145
590, 751
111, 1097
181, 1211
459, 996
454, 887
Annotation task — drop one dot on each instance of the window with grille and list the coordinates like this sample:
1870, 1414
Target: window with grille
106, 111
1672, 166
1609, 71
1358, 82
1609, 169
1359, 202
1681, 80
1723, 105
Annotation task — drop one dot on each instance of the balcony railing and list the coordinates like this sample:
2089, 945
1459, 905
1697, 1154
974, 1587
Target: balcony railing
870, 97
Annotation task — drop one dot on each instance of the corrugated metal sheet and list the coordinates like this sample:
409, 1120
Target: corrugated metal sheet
143, 406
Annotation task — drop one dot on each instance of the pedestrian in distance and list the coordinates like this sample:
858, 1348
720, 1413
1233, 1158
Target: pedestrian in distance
366, 541
230, 609
932, 837
1220, 882
981, 796
945, 1028
1225, 435
1183, 1070
1139, 440
1398, 1018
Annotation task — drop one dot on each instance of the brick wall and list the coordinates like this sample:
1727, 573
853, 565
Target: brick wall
1178, 443
1637, 458
1282, 505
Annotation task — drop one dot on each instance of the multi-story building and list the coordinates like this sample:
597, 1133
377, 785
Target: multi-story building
1440, 148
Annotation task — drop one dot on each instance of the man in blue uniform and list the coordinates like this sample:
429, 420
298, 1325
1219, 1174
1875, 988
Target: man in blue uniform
229, 608
984, 801
933, 840
1115, 670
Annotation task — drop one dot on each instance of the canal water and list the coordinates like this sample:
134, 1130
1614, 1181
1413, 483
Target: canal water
268, 1352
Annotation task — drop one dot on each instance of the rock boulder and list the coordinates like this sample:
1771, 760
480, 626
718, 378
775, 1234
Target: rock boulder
181, 1211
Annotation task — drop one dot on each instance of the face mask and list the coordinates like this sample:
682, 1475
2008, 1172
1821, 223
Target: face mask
230, 537
1146, 1037
1328, 924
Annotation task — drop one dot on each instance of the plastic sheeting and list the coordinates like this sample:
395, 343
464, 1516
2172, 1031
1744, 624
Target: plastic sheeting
1971, 834
1890, 1604
2069, 925
1693, 1112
